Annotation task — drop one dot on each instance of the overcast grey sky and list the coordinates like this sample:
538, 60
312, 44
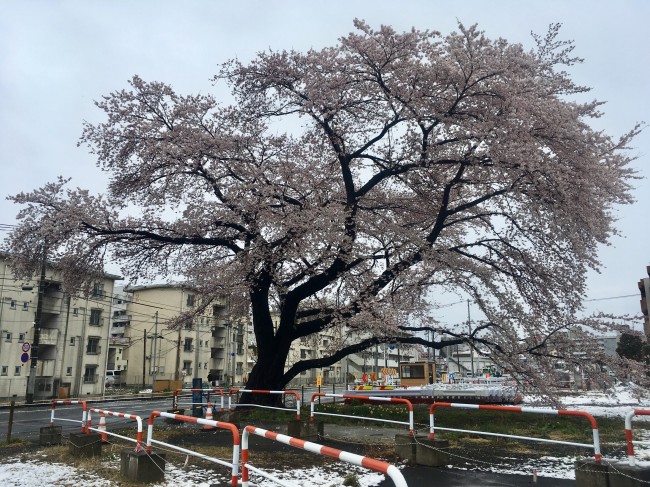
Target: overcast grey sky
57, 57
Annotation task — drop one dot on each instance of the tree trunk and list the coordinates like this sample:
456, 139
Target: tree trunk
268, 373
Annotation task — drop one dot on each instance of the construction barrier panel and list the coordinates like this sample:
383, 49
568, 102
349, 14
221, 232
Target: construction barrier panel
189, 419
370, 463
517, 409
256, 391
84, 409
398, 400
102, 425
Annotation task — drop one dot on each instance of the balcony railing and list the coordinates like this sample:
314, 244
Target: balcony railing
49, 336
52, 305
119, 340
45, 368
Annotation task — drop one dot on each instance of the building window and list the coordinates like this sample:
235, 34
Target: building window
90, 374
239, 370
72, 340
12, 305
75, 311
93, 347
21, 337
95, 317
26, 306
187, 346
187, 367
5, 370
17, 369
68, 371
98, 290
190, 299
188, 325
8, 336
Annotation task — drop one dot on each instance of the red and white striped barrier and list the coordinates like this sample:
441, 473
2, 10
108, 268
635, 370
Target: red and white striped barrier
257, 391
188, 419
102, 421
67, 402
207, 392
518, 409
397, 400
370, 463
628, 432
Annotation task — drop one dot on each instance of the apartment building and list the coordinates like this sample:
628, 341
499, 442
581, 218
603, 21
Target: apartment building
145, 349
73, 336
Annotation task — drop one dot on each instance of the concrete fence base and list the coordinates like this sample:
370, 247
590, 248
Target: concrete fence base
142, 467
306, 430
591, 474
50, 435
432, 453
405, 447
85, 445
623, 475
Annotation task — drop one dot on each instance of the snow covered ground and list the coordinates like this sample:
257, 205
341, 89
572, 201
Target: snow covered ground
34, 472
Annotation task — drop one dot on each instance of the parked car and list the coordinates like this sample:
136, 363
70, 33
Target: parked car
113, 377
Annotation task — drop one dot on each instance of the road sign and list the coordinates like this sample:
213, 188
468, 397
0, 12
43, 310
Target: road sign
24, 357
26, 346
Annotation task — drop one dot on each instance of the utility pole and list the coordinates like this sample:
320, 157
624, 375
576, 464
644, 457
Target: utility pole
197, 357
144, 359
31, 380
155, 342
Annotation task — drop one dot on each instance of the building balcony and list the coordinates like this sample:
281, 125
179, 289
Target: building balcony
49, 336
52, 305
45, 368
119, 340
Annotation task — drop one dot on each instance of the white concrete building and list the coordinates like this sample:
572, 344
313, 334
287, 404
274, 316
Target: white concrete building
73, 337
145, 349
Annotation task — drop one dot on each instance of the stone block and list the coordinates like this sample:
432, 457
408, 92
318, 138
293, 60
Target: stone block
306, 430
50, 435
405, 447
432, 453
139, 466
85, 445
623, 475
591, 474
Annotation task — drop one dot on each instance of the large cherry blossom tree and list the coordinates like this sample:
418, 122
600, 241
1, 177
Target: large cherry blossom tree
353, 186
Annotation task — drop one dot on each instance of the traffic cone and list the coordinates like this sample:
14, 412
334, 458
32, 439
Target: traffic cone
102, 428
208, 416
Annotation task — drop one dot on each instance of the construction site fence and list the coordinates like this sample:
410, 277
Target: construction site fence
394, 400
516, 409
370, 463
